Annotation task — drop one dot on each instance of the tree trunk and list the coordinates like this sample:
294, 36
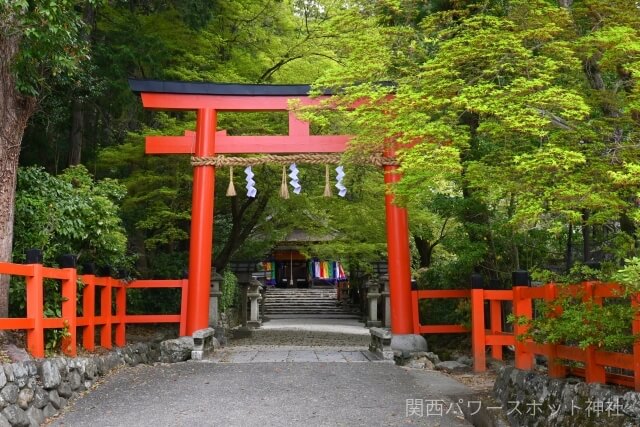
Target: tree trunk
15, 111
78, 107
586, 237
628, 226
241, 227
77, 133
425, 251
569, 248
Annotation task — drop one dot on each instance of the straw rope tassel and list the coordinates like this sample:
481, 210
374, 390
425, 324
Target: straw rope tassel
231, 190
284, 187
327, 185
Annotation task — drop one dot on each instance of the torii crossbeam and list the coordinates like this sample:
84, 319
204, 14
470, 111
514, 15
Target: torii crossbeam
209, 98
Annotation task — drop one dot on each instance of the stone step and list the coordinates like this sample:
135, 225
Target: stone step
307, 310
311, 310
275, 298
306, 303
299, 291
311, 316
303, 303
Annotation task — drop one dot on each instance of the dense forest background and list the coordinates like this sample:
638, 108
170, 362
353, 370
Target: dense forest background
518, 121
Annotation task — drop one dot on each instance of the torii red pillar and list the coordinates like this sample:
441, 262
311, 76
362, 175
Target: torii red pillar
201, 242
399, 261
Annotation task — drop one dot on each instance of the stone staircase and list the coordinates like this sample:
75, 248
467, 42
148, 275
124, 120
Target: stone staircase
317, 303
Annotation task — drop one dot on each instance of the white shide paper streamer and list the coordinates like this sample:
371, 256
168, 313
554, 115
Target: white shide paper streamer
342, 190
251, 189
294, 178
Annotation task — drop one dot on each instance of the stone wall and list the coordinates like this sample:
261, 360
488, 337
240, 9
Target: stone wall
533, 399
33, 390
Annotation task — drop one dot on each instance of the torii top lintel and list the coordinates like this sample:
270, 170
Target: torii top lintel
169, 95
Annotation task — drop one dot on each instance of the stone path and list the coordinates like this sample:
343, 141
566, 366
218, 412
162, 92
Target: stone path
289, 373
292, 354
267, 394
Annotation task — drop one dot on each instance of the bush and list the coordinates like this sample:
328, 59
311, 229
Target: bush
69, 213
574, 320
230, 291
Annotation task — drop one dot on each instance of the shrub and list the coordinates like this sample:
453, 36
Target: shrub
575, 320
230, 291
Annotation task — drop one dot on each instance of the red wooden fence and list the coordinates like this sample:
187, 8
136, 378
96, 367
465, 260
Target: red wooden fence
110, 323
595, 361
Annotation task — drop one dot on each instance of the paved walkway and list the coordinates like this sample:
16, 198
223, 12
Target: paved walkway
293, 354
290, 373
266, 394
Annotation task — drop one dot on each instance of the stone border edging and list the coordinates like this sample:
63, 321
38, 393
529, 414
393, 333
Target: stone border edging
34, 390
563, 402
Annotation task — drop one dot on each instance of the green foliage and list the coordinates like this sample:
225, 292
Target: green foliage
629, 276
50, 45
230, 297
576, 320
511, 111
153, 301
517, 125
582, 322
70, 213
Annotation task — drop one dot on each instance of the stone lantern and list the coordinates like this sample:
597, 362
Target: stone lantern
215, 294
373, 293
254, 295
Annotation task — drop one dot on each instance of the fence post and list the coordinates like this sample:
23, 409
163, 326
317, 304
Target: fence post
105, 313
635, 330
495, 307
89, 309
415, 308
35, 303
522, 307
69, 307
593, 372
183, 307
554, 366
121, 312
478, 333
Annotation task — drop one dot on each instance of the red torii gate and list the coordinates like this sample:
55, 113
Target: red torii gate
209, 98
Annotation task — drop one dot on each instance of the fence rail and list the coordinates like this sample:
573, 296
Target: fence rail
595, 361
103, 307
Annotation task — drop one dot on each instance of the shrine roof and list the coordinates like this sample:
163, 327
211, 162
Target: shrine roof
202, 88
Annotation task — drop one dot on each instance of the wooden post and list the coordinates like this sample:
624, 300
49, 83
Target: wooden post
635, 330
521, 308
398, 256
555, 367
121, 313
69, 311
184, 307
415, 310
35, 311
105, 313
89, 311
478, 333
201, 225
594, 373
496, 326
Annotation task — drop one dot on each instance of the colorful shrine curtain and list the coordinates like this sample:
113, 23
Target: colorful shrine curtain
329, 270
269, 267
